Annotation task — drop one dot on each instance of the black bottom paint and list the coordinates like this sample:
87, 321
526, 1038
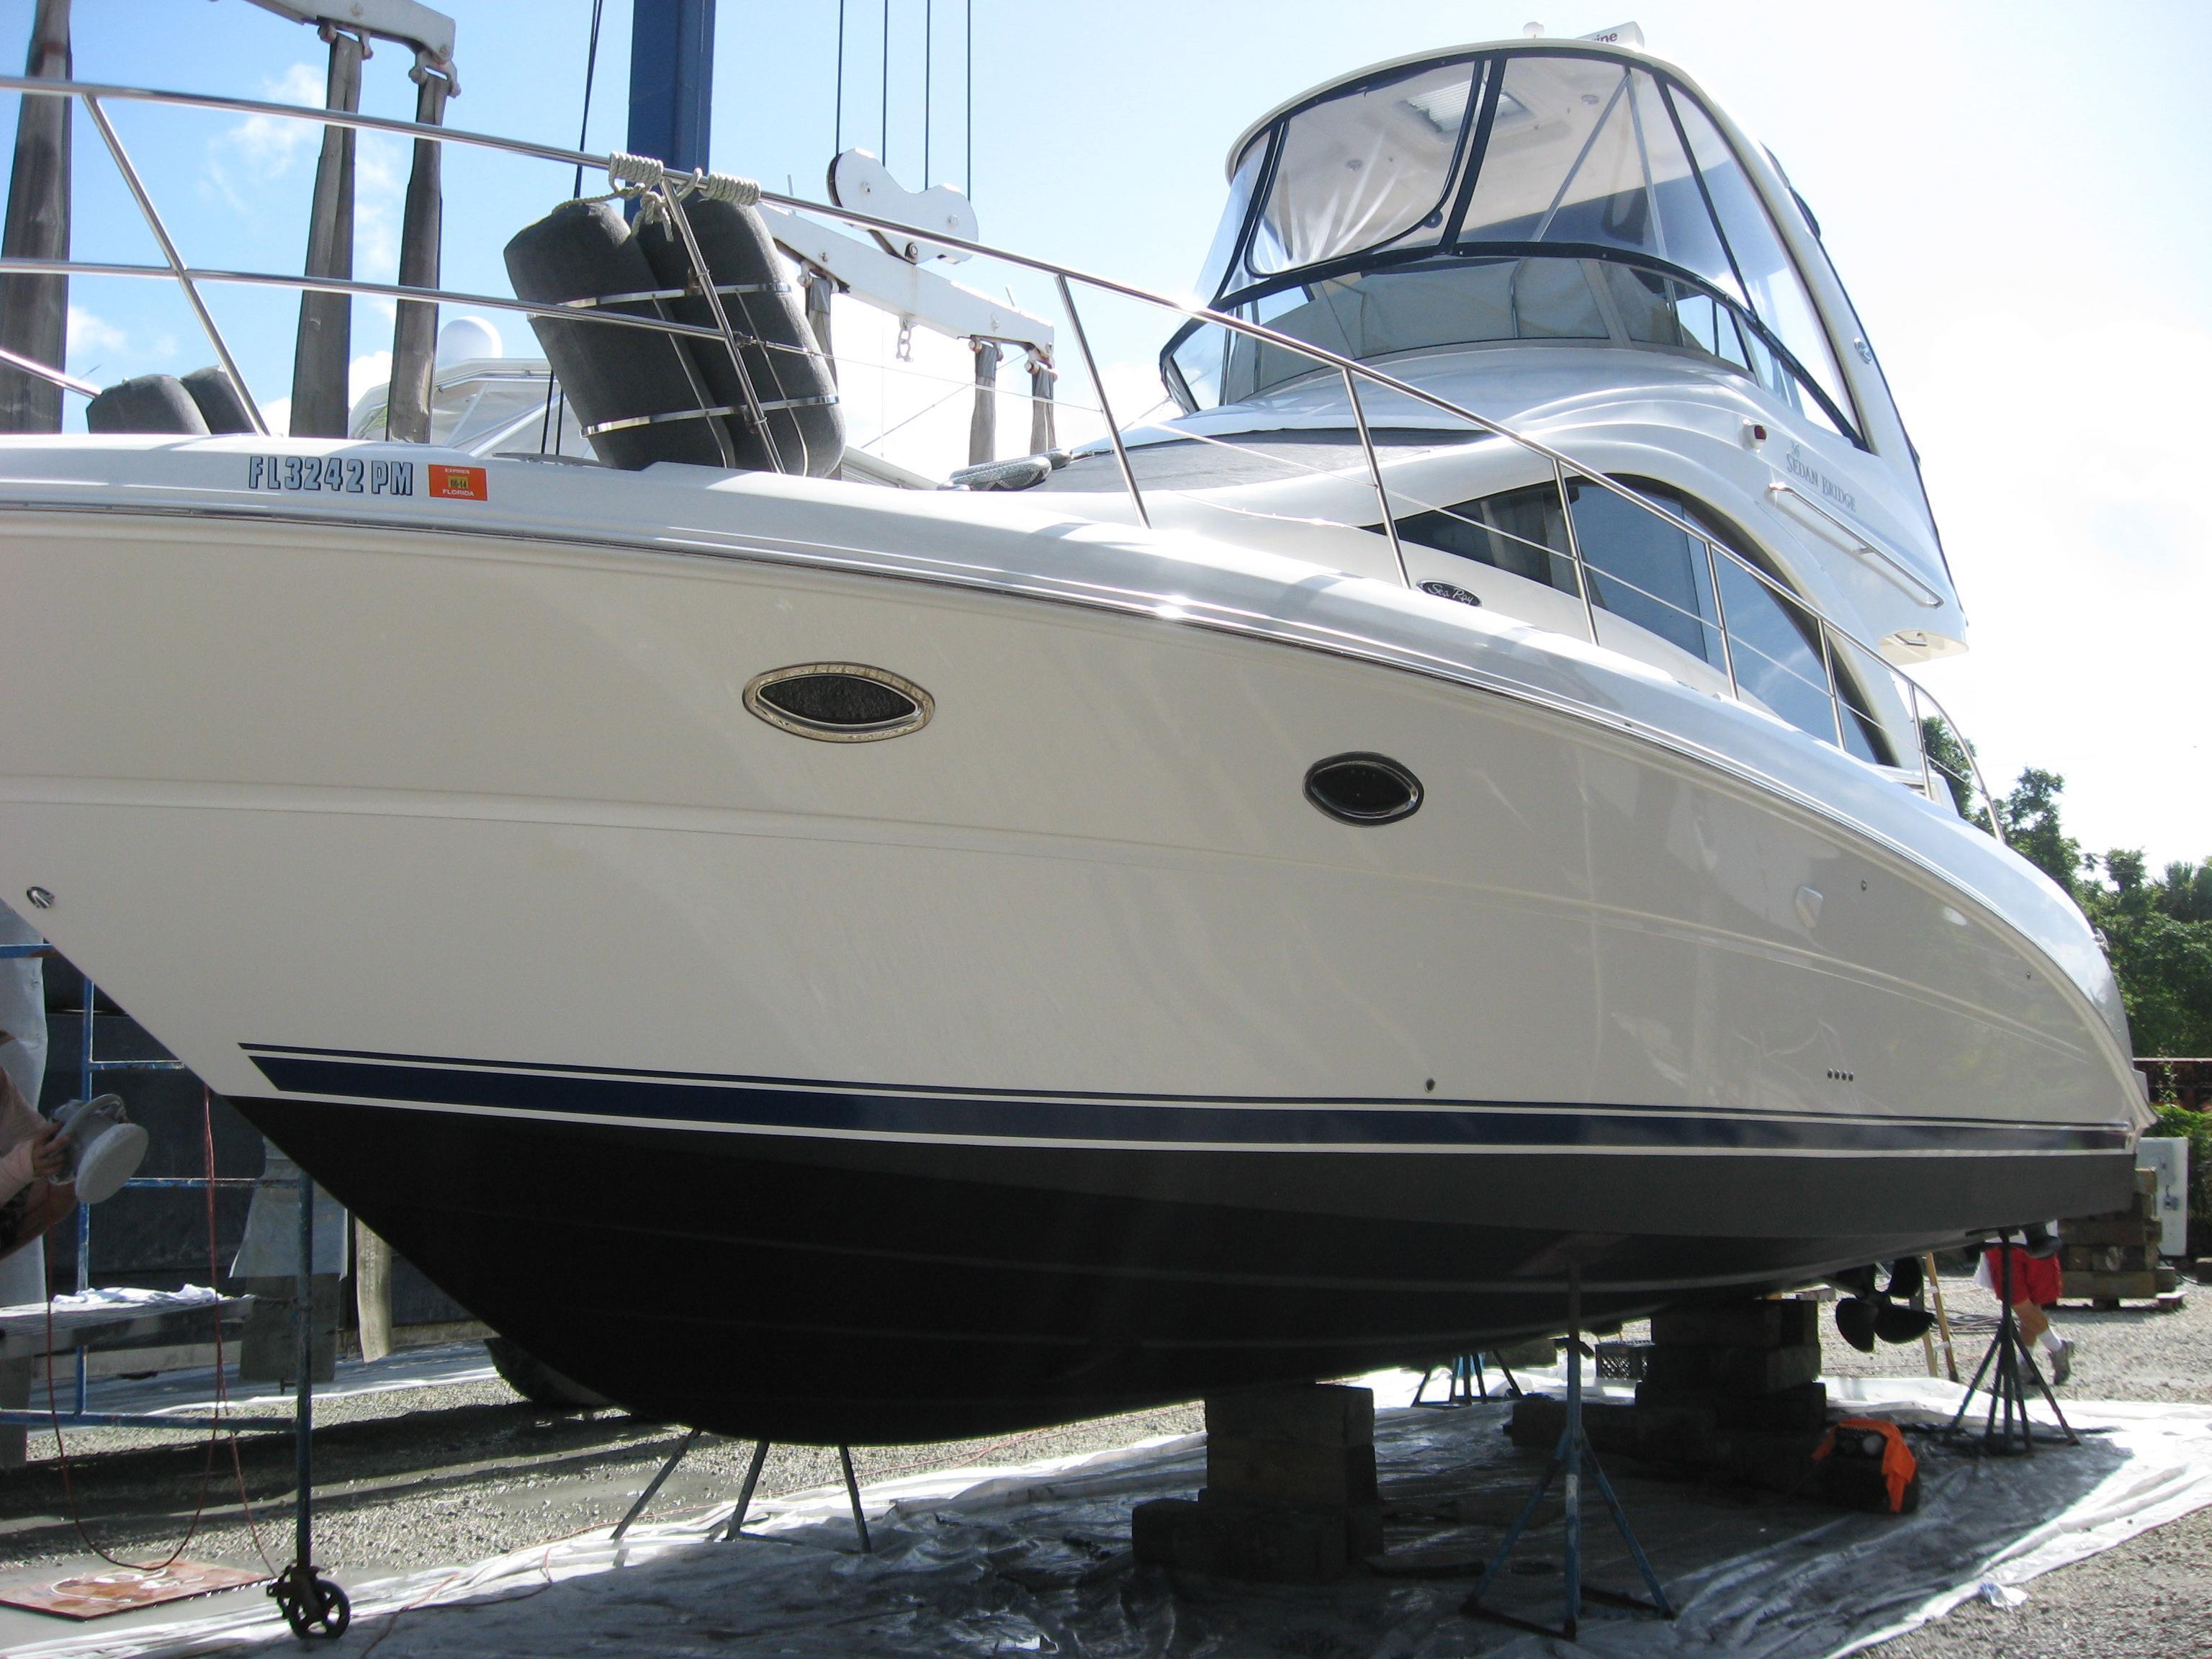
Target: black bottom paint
819, 1290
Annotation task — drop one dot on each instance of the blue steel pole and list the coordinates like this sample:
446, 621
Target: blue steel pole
84, 1214
671, 80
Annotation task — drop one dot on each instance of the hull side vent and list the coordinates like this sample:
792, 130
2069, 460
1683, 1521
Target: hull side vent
839, 702
1364, 789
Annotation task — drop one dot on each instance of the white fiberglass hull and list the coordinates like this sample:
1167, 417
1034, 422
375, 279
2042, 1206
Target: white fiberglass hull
436, 836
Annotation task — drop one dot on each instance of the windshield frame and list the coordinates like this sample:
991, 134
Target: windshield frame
1486, 71
1443, 258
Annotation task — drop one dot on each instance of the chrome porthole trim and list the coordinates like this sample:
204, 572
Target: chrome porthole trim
1364, 788
790, 713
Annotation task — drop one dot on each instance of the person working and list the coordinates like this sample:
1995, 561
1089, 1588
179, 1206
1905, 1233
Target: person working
2037, 1283
31, 1156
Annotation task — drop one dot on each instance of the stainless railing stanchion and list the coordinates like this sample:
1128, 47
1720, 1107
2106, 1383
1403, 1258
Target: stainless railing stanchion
1575, 548
1835, 687
176, 264
1375, 474
1106, 408
1720, 614
1920, 737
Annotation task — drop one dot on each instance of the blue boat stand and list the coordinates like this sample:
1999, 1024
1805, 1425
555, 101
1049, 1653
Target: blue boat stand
1569, 1459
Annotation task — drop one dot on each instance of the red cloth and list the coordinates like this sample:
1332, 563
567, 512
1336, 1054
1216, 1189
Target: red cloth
2034, 1280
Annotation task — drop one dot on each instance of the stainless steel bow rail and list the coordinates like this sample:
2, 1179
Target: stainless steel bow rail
1932, 727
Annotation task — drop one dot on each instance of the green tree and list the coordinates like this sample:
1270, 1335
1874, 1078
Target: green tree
1953, 761
2032, 827
2186, 894
2157, 930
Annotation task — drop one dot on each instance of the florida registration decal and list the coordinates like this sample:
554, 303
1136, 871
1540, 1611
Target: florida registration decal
458, 484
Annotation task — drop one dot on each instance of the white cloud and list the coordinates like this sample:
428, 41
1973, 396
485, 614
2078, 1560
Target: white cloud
93, 338
2063, 464
380, 196
260, 147
370, 369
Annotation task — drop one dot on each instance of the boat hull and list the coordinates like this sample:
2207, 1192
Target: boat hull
891, 1090
809, 1289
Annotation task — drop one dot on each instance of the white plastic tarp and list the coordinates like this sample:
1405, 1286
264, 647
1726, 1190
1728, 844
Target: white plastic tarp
1036, 1559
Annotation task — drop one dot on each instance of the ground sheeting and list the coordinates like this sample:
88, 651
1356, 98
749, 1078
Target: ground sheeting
1035, 1560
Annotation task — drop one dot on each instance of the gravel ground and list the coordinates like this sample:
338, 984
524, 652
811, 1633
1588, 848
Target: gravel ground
435, 1476
2151, 1598
2132, 1354
457, 1473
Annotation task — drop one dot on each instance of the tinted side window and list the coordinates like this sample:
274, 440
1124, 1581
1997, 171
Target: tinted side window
1520, 531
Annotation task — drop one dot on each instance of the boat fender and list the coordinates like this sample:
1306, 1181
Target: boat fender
792, 380
220, 406
151, 402
585, 250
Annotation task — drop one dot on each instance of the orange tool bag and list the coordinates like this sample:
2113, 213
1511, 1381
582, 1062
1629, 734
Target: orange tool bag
1865, 1465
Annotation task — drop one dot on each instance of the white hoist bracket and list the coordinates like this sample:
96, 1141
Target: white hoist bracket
914, 296
430, 33
859, 180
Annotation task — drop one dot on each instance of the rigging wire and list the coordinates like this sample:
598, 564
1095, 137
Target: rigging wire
591, 73
968, 113
838, 147
928, 81
583, 129
883, 111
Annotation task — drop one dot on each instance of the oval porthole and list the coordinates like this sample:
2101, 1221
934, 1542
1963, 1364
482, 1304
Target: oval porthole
839, 702
1364, 789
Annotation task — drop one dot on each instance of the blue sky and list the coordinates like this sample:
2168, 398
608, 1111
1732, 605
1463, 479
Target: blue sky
2013, 193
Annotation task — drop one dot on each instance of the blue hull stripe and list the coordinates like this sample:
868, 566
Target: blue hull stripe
765, 1105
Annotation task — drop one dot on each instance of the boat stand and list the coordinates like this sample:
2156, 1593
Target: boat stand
2014, 1366
735, 1527
1468, 1383
1568, 1459
311, 1604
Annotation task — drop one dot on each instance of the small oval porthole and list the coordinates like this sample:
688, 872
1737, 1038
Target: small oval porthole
839, 702
1364, 789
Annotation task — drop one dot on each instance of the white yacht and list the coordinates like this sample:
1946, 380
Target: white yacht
1256, 898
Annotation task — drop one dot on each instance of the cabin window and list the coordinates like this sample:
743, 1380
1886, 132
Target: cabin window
1656, 576
1520, 531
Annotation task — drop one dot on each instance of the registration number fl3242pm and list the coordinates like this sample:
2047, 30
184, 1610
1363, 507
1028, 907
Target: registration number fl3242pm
341, 475
346, 475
